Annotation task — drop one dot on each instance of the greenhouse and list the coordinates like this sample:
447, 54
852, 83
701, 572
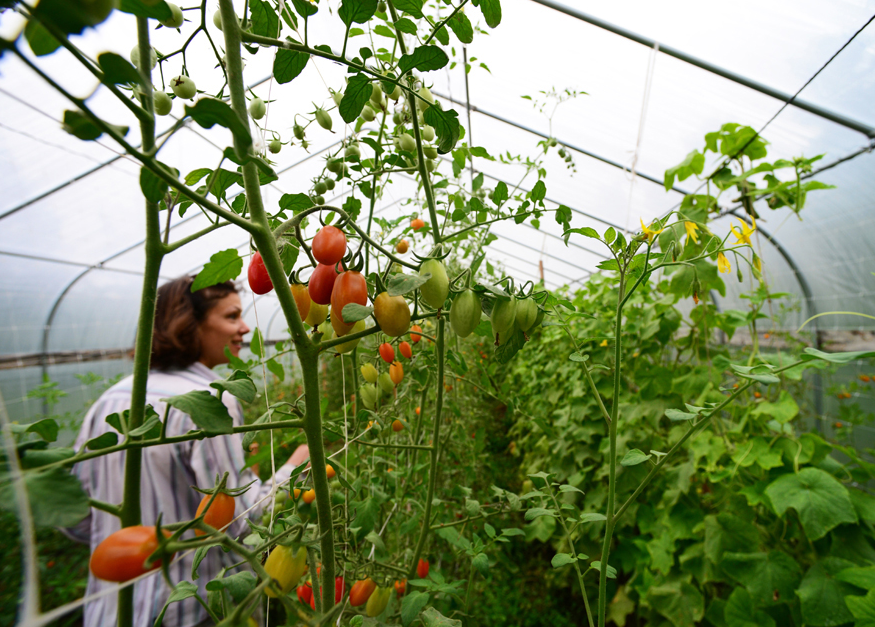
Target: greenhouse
574, 302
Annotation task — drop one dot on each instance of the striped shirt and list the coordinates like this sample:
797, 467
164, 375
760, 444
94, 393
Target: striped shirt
168, 472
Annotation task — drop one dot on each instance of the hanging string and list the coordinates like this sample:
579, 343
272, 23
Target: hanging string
645, 104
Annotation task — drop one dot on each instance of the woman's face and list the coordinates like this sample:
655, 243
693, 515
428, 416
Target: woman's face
222, 327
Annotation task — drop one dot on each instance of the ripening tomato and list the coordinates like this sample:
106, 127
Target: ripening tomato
397, 426
378, 601
396, 372
339, 587
387, 352
121, 556
422, 569
318, 313
400, 587
392, 314
405, 350
417, 224
259, 281
322, 283
415, 337
309, 496
219, 515
329, 245
286, 566
329, 470
350, 287
402, 246
305, 593
361, 591
302, 299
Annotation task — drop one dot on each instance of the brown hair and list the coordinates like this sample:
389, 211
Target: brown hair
176, 341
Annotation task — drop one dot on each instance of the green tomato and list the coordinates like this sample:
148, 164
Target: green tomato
368, 395
386, 383
430, 165
326, 330
319, 200
370, 373
428, 133
465, 313
320, 188
430, 152
257, 108
163, 103
217, 19
337, 96
334, 165
298, 130
396, 93
503, 315
368, 114
561, 152
176, 20
381, 7
437, 288
329, 183
526, 313
323, 119
376, 93
347, 347
135, 57
352, 152
183, 87
407, 143
425, 94
397, 119
275, 146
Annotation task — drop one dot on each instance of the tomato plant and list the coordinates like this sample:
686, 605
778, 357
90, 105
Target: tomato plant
121, 556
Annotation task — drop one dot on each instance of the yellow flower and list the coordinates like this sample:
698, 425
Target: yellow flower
604, 343
691, 228
650, 233
723, 263
743, 237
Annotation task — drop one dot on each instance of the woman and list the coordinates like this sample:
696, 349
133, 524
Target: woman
192, 332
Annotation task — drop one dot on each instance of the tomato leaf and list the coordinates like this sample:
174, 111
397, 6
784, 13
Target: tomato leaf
592, 517
676, 415
56, 498
411, 606
445, 124
80, 126
305, 9
537, 512
183, 590
156, 10
356, 11
634, 457
239, 384
264, 19
288, 64
117, 70
413, 7
562, 559
499, 194
256, 344
46, 428
225, 265
296, 203
405, 26
424, 59
400, 284
461, 26
40, 40
206, 411
208, 112
353, 312
836, 358
238, 584
358, 91
597, 565
491, 12
102, 441
481, 563
511, 347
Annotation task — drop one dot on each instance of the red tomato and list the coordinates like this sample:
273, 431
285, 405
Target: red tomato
415, 337
220, 514
329, 245
400, 587
122, 555
361, 591
322, 283
350, 287
259, 281
305, 593
387, 352
405, 350
339, 587
422, 569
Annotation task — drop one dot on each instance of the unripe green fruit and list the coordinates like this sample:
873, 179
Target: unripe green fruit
407, 143
320, 188
135, 57
323, 119
298, 130
376, 93
319, 200
337, 96
352, 152
335, 166
381, 7
425, 94
386, 383
163, 103
325, 329
437, 288
257, 109
396, 118
329, 183
465, 313
561, 152
176, 20
526, 313
183, 87
396, 93
217, 19
368, 114
275, 146
430, 152
503, 315
370, 373
429, 165
368, 395
427, 133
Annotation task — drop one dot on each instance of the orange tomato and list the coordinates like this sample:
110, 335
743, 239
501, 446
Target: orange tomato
396, 372
219, 515
397, 425
309, 496
329, 470
401, 247
415, 337
417, 224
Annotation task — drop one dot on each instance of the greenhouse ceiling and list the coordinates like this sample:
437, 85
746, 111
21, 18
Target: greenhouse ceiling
656, 78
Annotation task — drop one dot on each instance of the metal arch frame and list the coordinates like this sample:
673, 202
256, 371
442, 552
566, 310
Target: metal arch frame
845, 121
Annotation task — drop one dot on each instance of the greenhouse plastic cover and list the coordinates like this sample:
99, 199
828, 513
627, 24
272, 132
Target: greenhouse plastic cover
71, 218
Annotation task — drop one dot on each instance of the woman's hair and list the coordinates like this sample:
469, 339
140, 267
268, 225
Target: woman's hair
176, 340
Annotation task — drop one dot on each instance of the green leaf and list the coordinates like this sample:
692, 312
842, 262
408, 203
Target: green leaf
288, 64
153, 188
413, 7
400, 284
634, 457
693, 163
357, 93
404, 25
289, 256
80, 126
208, 112
676, 415
41, 41
861, 577
104, 440
305, 9
238, 584
545, 427
539, 191
499, 194
822, 597
239, 384
597, 566
423, 59
491, 12
679, 602
863, 609
725, 533
46, 428
356, 11
511, 347
562, 559
836, 358
56, 498
411, 606
256, 345
783, 410
264, 19
117, 70
461, 26
353, 312
769, 578
183, 590
739, 611
225, 265
578, 357
537, 512
296, 203
592, 517
820, 500
352, 206
481, 563
432, 618
206, 411
157, 10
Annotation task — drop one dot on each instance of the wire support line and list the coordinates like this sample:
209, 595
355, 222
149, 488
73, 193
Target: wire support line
78, 264
838, 118
565, 261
